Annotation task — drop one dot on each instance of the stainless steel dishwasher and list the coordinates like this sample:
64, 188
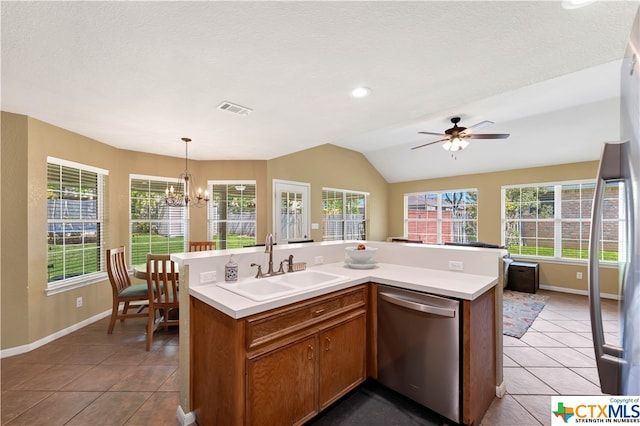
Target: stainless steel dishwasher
419, 348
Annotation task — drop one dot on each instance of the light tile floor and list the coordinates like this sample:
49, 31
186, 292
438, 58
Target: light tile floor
554, 357
92, 378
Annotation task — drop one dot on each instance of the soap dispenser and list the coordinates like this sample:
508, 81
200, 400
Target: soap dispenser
231, 270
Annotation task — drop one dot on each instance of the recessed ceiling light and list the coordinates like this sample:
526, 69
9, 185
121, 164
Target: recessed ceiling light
574, 4
360, 92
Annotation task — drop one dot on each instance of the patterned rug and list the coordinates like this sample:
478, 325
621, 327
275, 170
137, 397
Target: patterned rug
519, 311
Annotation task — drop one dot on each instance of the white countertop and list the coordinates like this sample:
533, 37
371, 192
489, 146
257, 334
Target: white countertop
444, 283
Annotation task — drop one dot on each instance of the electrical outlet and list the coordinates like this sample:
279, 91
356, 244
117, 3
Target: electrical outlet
79, 302
579, 275
208, 277
456, 265
318, 260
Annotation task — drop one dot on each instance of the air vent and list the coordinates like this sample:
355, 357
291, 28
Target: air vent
234, 108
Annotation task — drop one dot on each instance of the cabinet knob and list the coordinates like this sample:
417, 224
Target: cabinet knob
318, 312
310, 352
327, 344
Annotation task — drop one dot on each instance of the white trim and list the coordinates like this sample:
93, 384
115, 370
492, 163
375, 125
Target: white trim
185, 419
50, 338
501, 390
81, 166
74, 283
576, 291
325, 188
552, 183
149, 177
607, 264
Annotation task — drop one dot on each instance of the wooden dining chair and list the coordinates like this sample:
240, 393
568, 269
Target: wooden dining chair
162, 290
202, 245
132, 296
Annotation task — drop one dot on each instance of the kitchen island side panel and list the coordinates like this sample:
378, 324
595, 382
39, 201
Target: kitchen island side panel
217, 373
479, 357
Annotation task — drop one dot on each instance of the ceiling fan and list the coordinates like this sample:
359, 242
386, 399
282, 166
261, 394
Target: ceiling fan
455, 137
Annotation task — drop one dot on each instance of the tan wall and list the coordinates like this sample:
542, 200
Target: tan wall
489, 187
28, 314
333, 167
13, 231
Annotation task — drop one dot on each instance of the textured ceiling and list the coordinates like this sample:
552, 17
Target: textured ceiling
141, 75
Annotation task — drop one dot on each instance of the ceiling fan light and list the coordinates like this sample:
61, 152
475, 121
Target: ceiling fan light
447, 146
463, 144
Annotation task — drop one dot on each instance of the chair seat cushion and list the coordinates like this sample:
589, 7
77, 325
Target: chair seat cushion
137, 290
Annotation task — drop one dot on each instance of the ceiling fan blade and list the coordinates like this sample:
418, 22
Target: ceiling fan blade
430, 143
487, 136
431, 133
477, 126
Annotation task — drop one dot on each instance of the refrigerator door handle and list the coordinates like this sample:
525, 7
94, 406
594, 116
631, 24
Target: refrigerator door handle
609, 358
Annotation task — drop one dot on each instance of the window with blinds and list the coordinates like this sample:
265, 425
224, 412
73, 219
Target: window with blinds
344, 214
231, 216
439, 217
155, 227
75, 220
554, 220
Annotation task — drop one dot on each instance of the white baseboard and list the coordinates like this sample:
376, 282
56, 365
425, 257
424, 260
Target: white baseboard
185, 419
580, 292
501, 390
50, 338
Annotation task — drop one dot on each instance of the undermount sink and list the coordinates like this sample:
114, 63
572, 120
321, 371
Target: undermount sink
260, 289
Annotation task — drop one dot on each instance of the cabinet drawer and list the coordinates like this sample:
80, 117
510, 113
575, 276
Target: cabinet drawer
271, 325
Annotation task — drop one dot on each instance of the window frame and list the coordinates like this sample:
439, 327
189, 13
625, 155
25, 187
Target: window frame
183, 220
210, 210
101, 221
344, 220
558, 220
439, 221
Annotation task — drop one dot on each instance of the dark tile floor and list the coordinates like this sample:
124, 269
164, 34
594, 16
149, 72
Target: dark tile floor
92, 378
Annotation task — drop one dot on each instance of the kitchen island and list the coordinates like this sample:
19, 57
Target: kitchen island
282, 361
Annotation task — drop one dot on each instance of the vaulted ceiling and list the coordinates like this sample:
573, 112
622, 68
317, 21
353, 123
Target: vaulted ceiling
141, 75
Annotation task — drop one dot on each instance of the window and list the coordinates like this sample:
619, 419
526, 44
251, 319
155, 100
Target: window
441, 217
75, 221
232, 214
554, 220
155, 227
344, 215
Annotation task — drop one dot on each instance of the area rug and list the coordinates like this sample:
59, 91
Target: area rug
519, 311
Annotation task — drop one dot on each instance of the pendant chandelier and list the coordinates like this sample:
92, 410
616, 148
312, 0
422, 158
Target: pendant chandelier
187, 198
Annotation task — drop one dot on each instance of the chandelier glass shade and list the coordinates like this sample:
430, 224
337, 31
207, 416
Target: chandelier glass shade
182, 193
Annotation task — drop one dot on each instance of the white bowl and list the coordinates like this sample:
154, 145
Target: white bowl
360, 256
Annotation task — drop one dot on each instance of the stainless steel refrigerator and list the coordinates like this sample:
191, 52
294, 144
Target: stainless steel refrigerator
619, 362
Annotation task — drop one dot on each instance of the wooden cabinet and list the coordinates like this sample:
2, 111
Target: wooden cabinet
342, 358
284, 366
281, 384
280, 367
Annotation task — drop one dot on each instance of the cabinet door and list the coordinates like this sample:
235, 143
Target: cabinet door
342, 358
281, 385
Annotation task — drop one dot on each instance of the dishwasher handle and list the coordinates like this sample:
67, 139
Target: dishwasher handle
421, 307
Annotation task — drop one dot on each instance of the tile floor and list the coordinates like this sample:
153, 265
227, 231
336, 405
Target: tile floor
554, 357
92, 378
